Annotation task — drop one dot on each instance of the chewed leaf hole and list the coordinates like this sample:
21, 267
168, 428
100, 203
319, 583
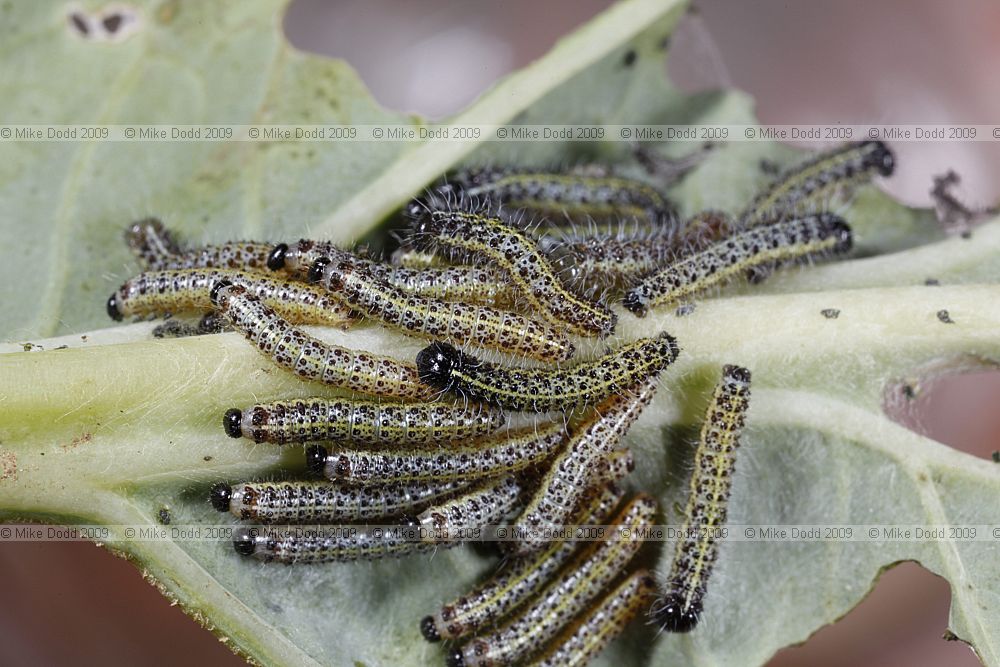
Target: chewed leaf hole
900, 622
958, 409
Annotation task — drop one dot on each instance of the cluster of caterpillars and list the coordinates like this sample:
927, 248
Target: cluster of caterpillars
517, 264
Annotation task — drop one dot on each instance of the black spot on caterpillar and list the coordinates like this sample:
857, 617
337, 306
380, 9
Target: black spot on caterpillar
446, 368
752, 252
708, 499
360, 421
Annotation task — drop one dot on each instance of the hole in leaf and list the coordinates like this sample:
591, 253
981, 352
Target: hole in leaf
901, 622
957, 408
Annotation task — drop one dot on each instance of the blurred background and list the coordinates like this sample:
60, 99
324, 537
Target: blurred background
826, 61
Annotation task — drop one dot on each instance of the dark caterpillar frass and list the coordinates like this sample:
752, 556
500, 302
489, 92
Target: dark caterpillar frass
447, 368
806, 187
751, 252
680, 608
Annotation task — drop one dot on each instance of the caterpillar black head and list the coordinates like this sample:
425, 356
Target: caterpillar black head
882, 158
455, 659
429, 630
245, 542
672, 616
213, 295
840, 230
636, 303
317, 269
316, 456
437, 362
232, 422
114, 312
220, 495
276, 258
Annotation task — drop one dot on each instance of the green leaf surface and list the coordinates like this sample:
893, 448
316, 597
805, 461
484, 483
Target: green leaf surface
116, 427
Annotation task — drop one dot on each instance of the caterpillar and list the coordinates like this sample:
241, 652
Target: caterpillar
337, 544
310, 357
447, 368
705, 514
580, 194
361, 421
568, 594
171, 292
325, 502
809, 184
591, 263
155, 247
486, 239
752, 252
516, 581
592, 631
484, 505
467, 284
490, 457
425, 317
151, 242
571, 472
